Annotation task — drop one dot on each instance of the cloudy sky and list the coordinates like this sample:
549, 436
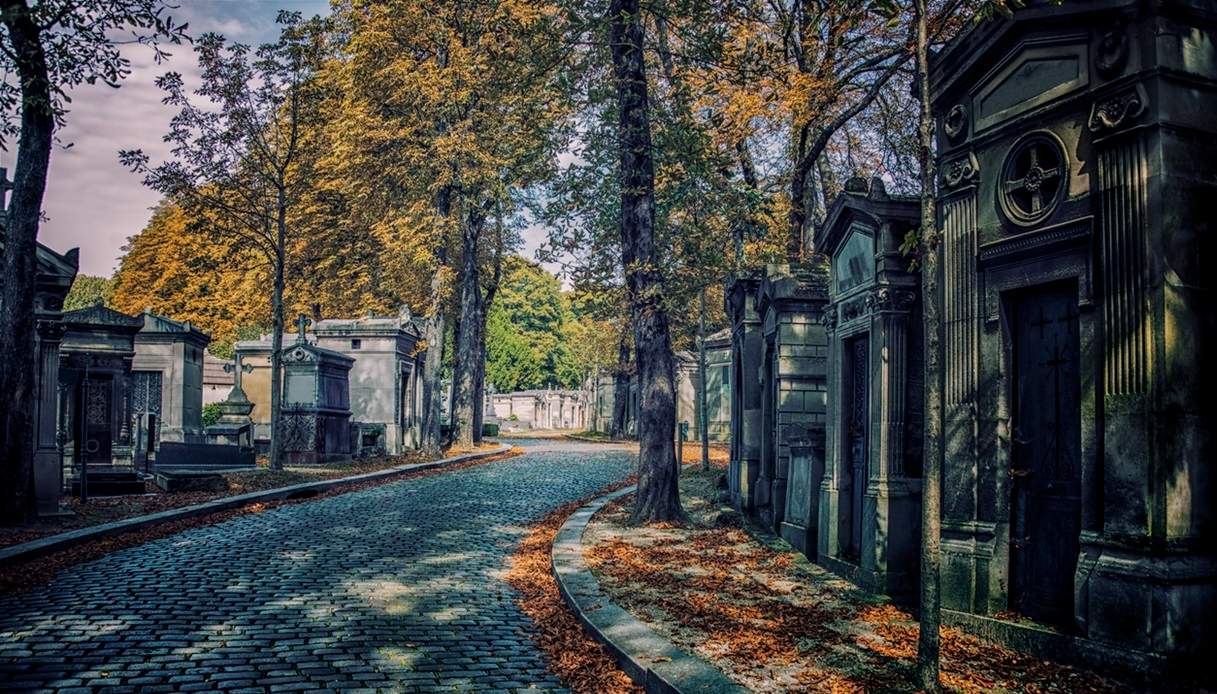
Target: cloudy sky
94, 203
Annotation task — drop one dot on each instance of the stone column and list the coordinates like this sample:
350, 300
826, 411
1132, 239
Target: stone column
828, 535
890, 521
48, 466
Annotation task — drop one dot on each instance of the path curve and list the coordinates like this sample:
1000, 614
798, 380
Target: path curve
394, 588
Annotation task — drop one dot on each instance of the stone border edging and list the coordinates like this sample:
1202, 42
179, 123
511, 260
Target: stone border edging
649, 659
590, 439
51, 543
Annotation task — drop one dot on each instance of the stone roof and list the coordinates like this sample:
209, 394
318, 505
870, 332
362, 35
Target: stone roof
214, 373
99, 316
156, 324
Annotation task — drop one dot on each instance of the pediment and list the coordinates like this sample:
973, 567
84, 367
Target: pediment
1033, 75
100, 315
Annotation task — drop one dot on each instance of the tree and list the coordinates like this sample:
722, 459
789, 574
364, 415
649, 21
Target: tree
238, 154
446, 110
527, 329
88, 290
931, 485
47, 49
657, 498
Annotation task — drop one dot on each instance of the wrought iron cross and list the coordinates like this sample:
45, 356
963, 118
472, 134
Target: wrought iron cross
302, 323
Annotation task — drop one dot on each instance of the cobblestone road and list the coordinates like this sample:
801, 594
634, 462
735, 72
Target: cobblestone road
396, 588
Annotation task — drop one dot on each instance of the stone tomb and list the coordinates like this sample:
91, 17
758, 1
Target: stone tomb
790, 300
167, 383
95, 360
316, 424
55, 276
1078, 162
718, 385
744, 467
870, 496
385, 378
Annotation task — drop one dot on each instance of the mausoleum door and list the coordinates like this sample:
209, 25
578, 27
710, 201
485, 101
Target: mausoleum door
1046, 490
97, 402
856, 443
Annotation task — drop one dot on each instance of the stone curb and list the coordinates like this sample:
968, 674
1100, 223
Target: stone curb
589, 439
52, 543
650, 660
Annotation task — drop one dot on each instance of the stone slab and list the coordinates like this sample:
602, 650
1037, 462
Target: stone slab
649, 659
53, 543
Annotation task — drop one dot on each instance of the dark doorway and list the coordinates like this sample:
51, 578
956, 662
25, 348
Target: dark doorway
1045, 503
857, 399
96, 403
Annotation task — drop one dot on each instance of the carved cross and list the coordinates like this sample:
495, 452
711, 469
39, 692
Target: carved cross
302, 323
236, 369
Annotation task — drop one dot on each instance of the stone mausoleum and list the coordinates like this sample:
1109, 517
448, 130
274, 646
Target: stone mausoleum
385, 378
870, 494
1078, 161
167, 381
744, 467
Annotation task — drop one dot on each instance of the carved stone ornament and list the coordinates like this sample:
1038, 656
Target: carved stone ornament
298, 355
1112, 53
1034, 179
960, 171
829, 318
955, 124
299, 432
51, 330
853, 309
888, 299
1114, 111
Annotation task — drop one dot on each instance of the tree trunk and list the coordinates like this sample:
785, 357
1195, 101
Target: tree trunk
931, 495
18, 358
276, 359
657, 498
464, 375
621, 391
798, 210
702, 409
433, 334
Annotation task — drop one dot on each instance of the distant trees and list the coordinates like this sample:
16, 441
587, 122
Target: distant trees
530, 331
240, 152
46, 48
89, 290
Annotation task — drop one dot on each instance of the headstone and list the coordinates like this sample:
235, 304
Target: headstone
1077, 157
870, 498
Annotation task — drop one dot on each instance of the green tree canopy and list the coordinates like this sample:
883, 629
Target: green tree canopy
527, 331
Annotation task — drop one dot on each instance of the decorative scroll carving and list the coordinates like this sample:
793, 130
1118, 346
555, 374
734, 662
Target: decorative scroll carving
955, 124
1112, 54
829, 318
299, 432
960, 171
888, 299
51, 330
853, 309
1113, 112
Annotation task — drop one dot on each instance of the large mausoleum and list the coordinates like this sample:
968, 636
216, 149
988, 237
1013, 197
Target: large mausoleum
1076, 150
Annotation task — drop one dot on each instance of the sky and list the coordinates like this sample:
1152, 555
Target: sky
95, 204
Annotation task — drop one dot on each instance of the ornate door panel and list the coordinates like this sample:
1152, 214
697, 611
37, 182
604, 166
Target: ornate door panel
146, 400
1046, 491
97, 400
857, 408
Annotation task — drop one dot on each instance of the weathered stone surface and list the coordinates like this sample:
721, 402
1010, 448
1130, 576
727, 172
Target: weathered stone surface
397, 587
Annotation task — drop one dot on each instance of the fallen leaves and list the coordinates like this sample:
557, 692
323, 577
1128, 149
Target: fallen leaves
580, 662
777, 623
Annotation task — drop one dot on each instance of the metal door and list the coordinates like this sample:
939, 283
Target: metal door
1045, 466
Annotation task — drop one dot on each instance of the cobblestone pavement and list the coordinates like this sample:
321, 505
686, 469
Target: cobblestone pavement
396, 588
